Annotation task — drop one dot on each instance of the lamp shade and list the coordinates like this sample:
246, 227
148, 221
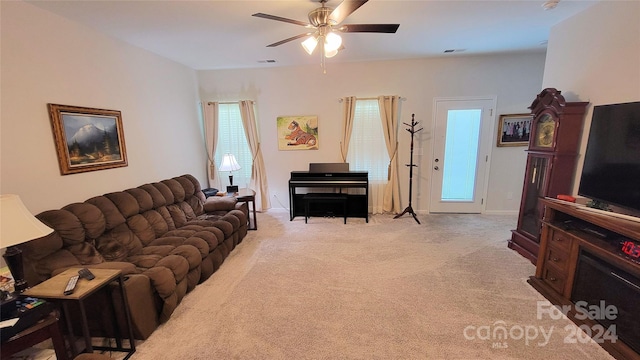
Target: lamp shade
310, 44
17, 224
331, 53
332, 42
229, 163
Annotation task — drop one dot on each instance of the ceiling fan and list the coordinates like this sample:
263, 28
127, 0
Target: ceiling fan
324, 24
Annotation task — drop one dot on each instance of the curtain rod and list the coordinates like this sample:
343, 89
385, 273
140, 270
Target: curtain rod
227, 102
369, 98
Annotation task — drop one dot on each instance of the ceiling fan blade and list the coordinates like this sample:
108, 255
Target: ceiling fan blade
345, 9
289, 39
371, 28
278, 18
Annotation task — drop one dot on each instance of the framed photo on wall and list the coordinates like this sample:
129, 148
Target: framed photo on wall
87, 139
297, 132
514, 129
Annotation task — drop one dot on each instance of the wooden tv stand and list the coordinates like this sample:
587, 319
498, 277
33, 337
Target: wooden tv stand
562, 242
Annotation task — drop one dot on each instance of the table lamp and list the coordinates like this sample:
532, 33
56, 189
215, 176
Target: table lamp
230, 164
17, 226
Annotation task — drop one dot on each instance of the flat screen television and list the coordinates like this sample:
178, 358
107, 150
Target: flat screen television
611, 170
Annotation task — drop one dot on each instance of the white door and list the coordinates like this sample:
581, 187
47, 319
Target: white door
463, 134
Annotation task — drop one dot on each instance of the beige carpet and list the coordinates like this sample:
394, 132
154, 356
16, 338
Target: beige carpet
389, 289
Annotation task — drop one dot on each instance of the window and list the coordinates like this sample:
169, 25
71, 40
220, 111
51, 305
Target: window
460, 154
232, 139
367, 149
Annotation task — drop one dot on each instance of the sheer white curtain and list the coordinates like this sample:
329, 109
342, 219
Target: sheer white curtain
258, 171
210, 114
367, 150
233, 139
389, 116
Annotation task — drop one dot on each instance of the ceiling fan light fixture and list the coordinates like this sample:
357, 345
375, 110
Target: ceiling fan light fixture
310, 44
330, 53
323, 20
332, 42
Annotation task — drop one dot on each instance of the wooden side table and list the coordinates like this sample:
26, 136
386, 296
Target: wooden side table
49, 327
53, 289
248, 196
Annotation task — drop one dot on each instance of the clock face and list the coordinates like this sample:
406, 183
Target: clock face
630, 249
545, 131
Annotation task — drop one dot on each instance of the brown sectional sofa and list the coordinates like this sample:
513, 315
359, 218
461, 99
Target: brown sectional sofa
165, 237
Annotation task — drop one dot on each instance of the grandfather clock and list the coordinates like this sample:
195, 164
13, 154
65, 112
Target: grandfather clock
551, 163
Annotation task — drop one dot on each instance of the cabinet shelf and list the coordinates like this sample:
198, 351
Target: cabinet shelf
567, 234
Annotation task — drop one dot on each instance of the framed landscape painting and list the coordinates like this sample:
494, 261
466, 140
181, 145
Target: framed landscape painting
514, 129
87, 139
297, 132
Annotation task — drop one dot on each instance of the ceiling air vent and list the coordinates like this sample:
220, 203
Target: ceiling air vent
453, 50
269, 61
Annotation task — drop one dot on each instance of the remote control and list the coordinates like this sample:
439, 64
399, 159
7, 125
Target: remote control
71, 285
86, 274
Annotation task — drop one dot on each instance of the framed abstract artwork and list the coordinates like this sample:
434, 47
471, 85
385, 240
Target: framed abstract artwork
87, 139
297, 132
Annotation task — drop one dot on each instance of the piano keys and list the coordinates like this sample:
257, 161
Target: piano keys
326, 176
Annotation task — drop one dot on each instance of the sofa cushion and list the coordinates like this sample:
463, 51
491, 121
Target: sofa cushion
145, 202
125, 202
90, 217
165, 191
65, 223
42, 247
156, 196
176, 189
112, 215
157, 222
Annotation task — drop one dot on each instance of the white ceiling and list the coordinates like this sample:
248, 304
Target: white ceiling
223, 34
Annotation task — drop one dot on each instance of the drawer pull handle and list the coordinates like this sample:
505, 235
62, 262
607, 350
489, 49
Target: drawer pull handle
552, 279
555, 259
558, 239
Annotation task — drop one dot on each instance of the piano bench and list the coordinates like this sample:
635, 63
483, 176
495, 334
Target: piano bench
325, 198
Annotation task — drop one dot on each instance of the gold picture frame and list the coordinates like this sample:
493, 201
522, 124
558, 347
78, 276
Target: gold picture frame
514, 129
87, 139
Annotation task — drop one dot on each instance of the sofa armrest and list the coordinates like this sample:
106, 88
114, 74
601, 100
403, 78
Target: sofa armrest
220, 203
143, 305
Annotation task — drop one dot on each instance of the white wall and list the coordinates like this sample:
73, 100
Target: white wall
595, 56
515, 79
47, 59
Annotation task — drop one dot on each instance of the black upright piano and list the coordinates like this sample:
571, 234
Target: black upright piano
329, 178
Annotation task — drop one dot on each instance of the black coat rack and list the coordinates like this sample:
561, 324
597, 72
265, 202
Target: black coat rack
409, 209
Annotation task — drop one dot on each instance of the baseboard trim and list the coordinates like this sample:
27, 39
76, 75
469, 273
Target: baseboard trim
426, 212
501, 212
